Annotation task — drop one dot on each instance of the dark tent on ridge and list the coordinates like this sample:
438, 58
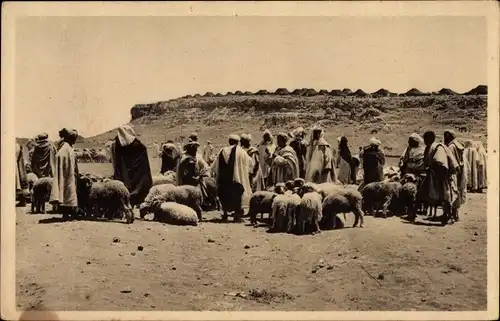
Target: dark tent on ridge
238, 93
323, 92
360, 93
310, 92
188, 96
248, 93
335, 92
347, 91
479, 90
262, 92
229, 93
414, 92
197, 96
282, 91
382, 92
209, 94
298, 92
447, 92
218, 95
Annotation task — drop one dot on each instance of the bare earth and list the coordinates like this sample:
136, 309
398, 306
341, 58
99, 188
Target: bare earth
387, 265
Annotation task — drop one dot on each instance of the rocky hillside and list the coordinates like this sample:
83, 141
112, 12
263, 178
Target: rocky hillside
357, 115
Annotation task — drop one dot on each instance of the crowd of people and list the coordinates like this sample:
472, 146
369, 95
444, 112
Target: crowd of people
448, 169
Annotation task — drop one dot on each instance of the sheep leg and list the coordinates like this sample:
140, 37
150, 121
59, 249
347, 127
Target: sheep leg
43, 206
289, 221
386, 206
199, 212
316, 225
33, 200
358, 217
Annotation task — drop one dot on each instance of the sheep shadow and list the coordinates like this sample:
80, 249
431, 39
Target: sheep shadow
420, 223
86, 219
220, 221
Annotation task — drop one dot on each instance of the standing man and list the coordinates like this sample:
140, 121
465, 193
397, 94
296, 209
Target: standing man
373, 162
231, 168
459, 177
284, 164
300, 148
64, 185
253, 153
320, 159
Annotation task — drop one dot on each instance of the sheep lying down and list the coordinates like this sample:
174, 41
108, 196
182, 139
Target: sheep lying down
186, 195
174, 213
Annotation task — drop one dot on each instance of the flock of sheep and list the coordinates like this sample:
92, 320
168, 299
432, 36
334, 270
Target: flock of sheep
92, 155
294, 207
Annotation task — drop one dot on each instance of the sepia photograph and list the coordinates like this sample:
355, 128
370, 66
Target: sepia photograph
225, 157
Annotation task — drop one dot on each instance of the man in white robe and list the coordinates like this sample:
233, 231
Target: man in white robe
320, 159
285, 163
471, 157
64, 193
266, 149
482, 166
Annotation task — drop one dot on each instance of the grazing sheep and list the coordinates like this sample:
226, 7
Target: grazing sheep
260, 202
154, 192
291, 211
279, 212
289, 185
113, 198
212, 201
309, 212
343, 200
383, 195
186, 194
279, 188
326, 189
164, 179
409, 195
41, 194
32, 178
174, 213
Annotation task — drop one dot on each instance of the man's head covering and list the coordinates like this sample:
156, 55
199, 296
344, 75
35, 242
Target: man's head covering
468, 143
234, 137
41, 137
450, 132
416, 137
209, 141
72, 134
193, 137
63, 133
374, 142
297, 132
126, 135
191, 145
246, 137
283, 136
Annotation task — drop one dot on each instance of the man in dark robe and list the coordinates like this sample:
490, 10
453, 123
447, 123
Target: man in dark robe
21, 177
131, 164
187, 173
43, 157
300, 148
231, 168
169, 157
373, 162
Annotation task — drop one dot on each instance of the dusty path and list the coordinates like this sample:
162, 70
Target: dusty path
77, 266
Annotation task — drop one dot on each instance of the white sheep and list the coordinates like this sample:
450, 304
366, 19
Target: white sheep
279, 212
174, 213
154, 192
309, 211
343, 200
168, 178
186, 194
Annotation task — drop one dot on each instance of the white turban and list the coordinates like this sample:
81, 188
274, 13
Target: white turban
126, 135
374, 142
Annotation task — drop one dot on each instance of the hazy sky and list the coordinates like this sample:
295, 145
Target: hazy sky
87, 72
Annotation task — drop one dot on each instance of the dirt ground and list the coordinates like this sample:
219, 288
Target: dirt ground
387, 265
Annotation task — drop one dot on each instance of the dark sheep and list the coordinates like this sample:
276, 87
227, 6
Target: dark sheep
382, 195
41, 194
